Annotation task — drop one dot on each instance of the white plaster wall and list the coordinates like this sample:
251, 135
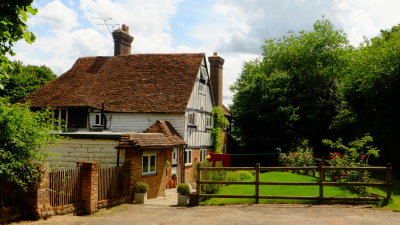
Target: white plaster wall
69, 152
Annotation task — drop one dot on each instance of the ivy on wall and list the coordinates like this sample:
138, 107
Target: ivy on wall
220, 121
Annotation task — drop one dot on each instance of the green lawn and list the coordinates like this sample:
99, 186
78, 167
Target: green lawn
329, 191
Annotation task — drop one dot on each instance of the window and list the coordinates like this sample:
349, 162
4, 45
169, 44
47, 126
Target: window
149, 164
203, 154
201, 87
192, 119
208, 122
99, 120
60, 118
188, 157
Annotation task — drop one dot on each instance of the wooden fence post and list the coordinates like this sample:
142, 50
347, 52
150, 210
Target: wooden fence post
257, 183
321, 179
388, 181
198, 177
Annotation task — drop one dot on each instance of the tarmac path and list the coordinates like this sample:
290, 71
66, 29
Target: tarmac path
164, 211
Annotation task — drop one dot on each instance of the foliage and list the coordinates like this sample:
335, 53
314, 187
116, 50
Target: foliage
209, 175
23, 137
183, 189
371, 90
14, 15
356, 154
302, 156
23, 80
291, 92
220, 122
241, 175
141, 187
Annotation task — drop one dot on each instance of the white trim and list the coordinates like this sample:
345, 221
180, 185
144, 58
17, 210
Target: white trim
188, 156
149, 172
100, 119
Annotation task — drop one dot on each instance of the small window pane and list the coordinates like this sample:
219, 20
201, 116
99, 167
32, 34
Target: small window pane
152, 163
145, 164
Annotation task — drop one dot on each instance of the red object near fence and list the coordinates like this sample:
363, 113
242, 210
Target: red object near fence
225, 158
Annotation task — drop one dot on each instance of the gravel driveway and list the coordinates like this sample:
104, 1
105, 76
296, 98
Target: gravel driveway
162, 211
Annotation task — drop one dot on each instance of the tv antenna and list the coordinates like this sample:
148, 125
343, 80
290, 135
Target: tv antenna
106, 22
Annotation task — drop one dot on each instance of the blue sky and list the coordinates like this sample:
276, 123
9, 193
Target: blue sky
236, 29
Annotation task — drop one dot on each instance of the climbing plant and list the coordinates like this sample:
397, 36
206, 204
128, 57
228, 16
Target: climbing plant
220, 121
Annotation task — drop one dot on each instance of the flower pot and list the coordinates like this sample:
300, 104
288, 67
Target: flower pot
140, 197
182, 200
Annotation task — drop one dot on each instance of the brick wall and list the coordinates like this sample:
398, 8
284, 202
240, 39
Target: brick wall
68, 152
189, 169
156, 182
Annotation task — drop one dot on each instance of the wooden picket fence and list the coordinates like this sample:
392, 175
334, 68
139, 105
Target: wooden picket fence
112, 183
65, 186
321, 182
8, 194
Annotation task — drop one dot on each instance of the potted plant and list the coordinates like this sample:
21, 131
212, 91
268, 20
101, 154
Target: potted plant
183, 193
141, 189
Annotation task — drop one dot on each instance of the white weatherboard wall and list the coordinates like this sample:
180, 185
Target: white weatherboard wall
201, 104
69, 152
140, 121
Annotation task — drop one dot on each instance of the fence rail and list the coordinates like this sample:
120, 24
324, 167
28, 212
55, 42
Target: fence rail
112, 183
65, 186
321, 183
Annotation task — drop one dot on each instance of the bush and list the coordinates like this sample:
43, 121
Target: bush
183, 189
141, 187
355, 154
238, 175
301, 156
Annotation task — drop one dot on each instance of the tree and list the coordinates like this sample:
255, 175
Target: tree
291, 92
23, 137
371, 88
14, 15
23, 80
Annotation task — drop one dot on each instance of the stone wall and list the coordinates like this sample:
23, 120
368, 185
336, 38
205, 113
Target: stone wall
68, 152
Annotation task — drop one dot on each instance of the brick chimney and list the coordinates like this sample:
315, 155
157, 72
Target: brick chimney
122, 41
216, 77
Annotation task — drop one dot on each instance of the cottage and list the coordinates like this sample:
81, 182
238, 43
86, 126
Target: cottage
156, 106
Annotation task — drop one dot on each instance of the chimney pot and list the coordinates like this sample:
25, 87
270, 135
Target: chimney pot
215, 53
122, 41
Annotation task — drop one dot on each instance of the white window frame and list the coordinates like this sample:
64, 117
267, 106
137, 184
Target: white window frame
149, 172
188, 156
101, 119
60, 121
209, 122
192, 115
203, 154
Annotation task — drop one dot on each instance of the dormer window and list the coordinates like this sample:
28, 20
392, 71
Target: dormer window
99, 120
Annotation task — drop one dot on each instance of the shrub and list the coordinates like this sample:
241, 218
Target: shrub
141, 187
301, 156
356, 154
183, 189
209, 175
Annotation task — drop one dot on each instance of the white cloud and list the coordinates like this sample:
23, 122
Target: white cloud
57, 15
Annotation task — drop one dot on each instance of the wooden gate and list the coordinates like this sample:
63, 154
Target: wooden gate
65, 186
112, 183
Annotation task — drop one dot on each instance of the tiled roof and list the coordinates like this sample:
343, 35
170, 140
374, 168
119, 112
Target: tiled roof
167, 129
130, 83
159, 134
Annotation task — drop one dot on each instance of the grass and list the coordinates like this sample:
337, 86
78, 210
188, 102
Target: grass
329, 191
394, 203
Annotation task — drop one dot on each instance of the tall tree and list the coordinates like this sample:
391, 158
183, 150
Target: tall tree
14, 15
290, 93
23, 80
371, 88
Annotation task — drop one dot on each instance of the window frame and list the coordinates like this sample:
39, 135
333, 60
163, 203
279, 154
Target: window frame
101, 119
193, 123
188, 160
203, 155
209, 122
149, 172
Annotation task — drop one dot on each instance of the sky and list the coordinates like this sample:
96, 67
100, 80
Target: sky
236, 29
